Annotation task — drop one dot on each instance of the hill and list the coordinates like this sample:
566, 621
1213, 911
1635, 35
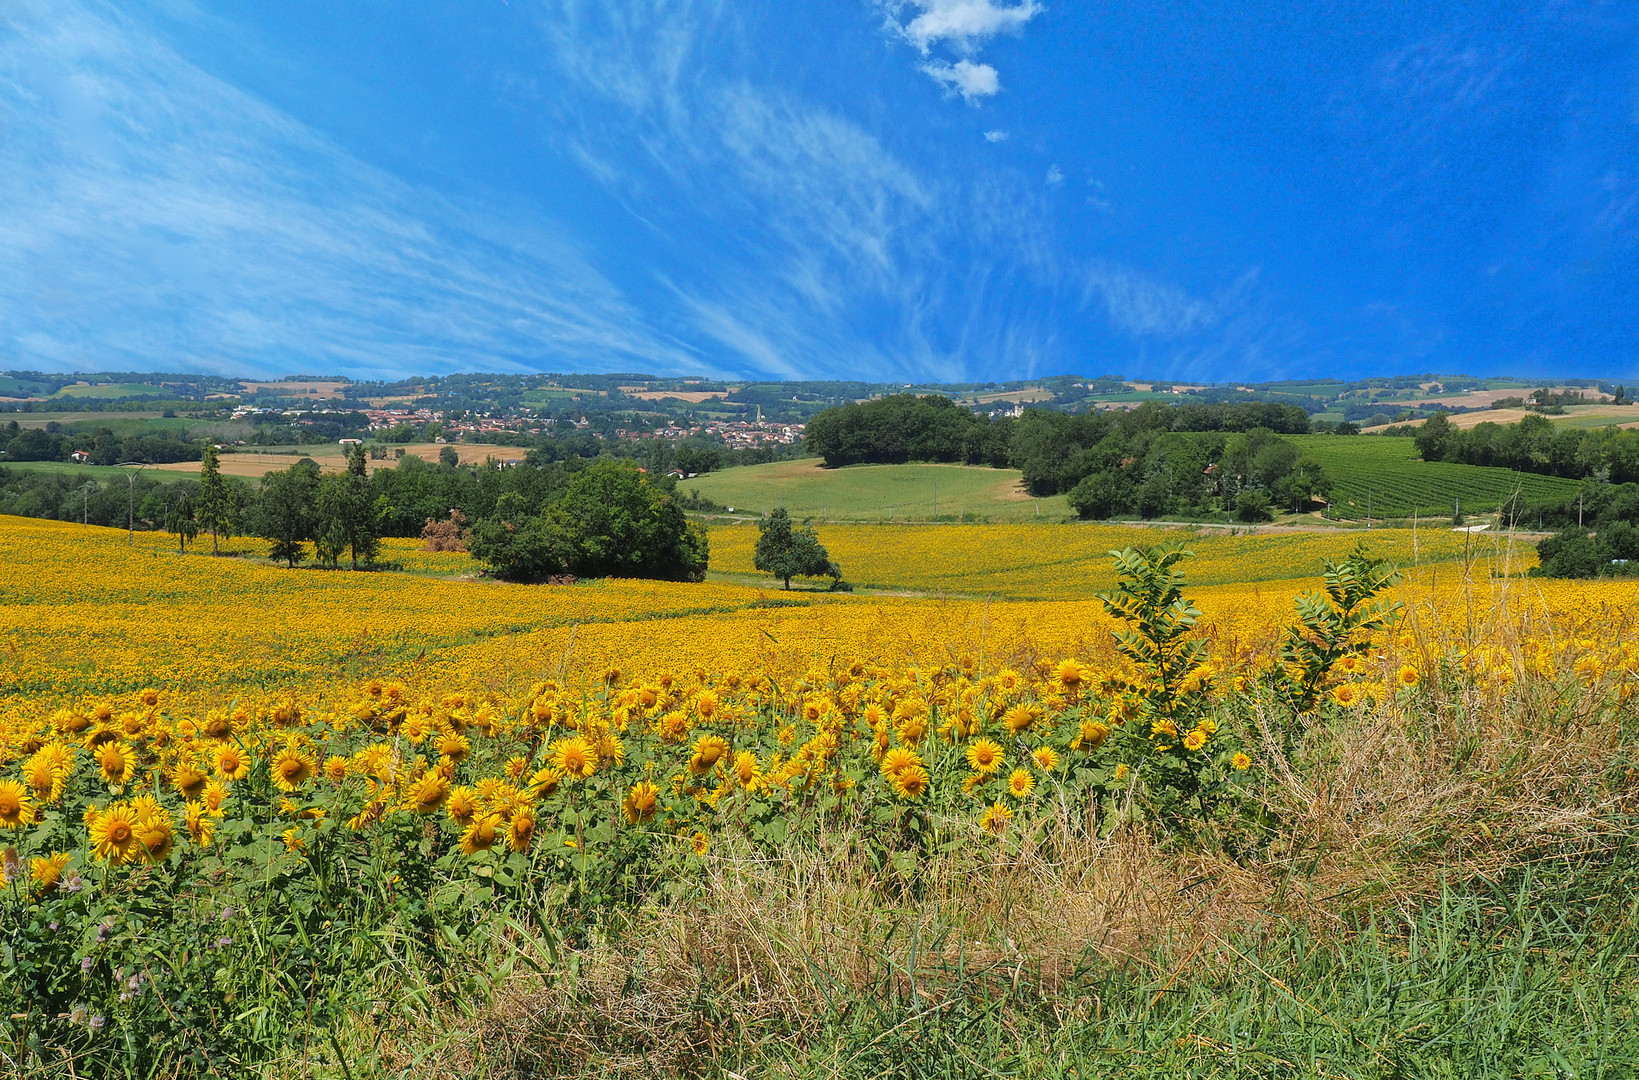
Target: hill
1385, 475
877, 492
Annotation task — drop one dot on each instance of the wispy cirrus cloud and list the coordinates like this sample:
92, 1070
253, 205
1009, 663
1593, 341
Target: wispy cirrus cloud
152, 215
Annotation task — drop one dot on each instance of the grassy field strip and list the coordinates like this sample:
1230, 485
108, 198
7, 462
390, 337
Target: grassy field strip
877, 492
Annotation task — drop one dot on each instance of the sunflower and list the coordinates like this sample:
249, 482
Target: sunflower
47, 872
1194, 740
543, 782
1091, 736
16, 808
1121, 772
114, 835
911, 782
640, 802
427, 794
708, 751
292, 837
899, 759
997, 817
1047, 759
1407, 676
1020, 783
706, 704
454, 746
1352, 664
517, 767
335, 768
201, 826
48, 770
574, 757
1018, 718
154, 827
1346, 694
1240, 762
700, 842
115, 760
744, 768
610, 749
232, 763
214, 797
291, 769
1072, 675
520, 829
460, 804
985, 756
481, 834
189, 779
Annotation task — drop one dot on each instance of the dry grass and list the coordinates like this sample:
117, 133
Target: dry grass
1372, 817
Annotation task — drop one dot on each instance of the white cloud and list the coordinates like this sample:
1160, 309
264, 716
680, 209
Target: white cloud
995, 136
1055, 176
972, 81
960, 26
964, 24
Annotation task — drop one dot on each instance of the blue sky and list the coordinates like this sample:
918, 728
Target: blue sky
920, 190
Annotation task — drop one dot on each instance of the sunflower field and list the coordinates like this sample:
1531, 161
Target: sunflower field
258, 819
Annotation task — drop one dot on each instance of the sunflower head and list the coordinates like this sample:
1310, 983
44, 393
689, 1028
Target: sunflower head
1020, 783
16, 806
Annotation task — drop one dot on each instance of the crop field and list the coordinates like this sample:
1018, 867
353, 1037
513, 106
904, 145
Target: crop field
877, 492
1384, 474
414, 822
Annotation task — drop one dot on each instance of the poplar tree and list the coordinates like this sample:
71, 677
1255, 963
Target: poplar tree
214, 510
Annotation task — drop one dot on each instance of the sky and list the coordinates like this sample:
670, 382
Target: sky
888, 190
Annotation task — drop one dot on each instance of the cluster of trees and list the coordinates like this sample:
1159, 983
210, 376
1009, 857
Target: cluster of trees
904, 427
1596, 533
53, 443
609, 521
1535, 444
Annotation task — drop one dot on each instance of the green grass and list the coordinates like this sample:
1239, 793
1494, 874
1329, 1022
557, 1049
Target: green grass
1386, 474
97, 472
877, 492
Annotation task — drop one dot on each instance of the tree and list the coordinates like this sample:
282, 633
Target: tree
787, 550
345, 514
284, 510
449, 457
610, 521
180, 521
216, 502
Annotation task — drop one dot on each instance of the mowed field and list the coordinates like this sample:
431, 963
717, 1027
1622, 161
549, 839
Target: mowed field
333, 458
1384, 476
877, 492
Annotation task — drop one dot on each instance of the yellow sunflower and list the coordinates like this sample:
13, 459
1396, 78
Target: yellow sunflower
708, 751
1047, 759
427, 794
1240, 762
115, 760
911, 782
232, 763
482, 834
1020, 783
520, 829
291, 769
1407, 676
461, 804
996, 819
46, 872
985, 756
114, 835
640, 802
700, 842
574, 758
16, 807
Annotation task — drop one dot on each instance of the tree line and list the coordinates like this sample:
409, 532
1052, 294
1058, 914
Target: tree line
1152, 461
1534, 444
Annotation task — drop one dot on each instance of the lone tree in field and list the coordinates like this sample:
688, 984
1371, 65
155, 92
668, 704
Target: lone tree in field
787, 550
215, 509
